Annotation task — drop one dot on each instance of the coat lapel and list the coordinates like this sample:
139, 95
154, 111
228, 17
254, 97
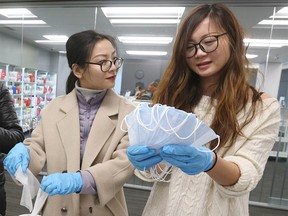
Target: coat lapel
69, 131
101, 129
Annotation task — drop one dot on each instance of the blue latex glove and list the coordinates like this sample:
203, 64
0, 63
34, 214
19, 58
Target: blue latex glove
18, 155
191, 160
143, 157
62, 183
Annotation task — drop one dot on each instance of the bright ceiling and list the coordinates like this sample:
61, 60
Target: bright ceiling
66, 20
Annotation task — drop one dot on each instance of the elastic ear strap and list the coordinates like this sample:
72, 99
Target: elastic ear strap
218, 143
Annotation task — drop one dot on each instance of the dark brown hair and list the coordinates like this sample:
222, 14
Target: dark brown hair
79, 48
180, 86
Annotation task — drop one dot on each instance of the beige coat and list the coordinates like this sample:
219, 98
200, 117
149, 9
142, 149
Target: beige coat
56, 139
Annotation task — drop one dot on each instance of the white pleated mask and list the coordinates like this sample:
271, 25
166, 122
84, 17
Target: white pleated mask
160, 125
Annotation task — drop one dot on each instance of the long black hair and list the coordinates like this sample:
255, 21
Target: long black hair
79, 48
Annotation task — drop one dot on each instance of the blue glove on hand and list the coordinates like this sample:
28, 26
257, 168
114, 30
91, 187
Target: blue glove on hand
62, 183
143, 157
191, 160
18, 155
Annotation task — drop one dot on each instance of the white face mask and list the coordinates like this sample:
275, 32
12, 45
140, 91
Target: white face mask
31, 188
161, 125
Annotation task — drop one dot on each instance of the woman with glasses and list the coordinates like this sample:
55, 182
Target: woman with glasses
79, 136
208, 75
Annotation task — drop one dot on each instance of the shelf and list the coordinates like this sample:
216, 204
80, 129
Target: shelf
31, 90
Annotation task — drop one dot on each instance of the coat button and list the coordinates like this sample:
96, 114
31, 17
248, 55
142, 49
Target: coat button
90, 210
64, 209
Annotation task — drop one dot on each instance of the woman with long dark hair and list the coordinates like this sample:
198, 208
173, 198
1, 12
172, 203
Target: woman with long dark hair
208, 75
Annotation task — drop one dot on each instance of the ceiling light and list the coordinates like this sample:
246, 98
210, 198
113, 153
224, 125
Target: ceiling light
273, 22
263, 45
284, 10
22, 22
56, 37
251, 56
154, 53
145, 21
62, 52
143, 12
279, 17
50, 41
265, 42
17, 13
281, 14
145, 40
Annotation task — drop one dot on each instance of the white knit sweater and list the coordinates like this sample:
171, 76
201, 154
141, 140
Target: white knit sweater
199, 195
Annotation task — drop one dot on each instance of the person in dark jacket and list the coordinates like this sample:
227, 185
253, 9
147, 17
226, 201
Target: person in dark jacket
10, 134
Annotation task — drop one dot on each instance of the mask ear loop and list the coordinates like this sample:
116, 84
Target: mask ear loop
160, 115
122, 123
161, 177
173, 129
218, 143
140, 122
152, 117
126, 121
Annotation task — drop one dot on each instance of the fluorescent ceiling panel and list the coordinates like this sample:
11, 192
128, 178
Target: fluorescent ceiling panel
279, 17
145, 21
251, 56
153, 53
284, 10
143, 12
273, 22
60, 42
17, 13
56, 37
145, 40
22, 22
53, 39
265, 42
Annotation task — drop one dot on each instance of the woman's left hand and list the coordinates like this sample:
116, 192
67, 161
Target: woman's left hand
62, 183
191, 160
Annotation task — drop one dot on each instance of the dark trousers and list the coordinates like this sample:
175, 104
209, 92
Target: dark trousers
2, 189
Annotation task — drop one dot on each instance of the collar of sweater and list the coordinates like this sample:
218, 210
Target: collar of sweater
88, 94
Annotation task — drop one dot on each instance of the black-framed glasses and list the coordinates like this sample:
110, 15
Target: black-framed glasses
105, 65
207, 44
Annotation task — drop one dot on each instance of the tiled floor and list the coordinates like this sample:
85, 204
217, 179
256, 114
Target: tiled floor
136, 199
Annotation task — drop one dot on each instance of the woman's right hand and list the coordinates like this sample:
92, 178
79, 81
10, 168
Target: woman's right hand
143, 157
18, 155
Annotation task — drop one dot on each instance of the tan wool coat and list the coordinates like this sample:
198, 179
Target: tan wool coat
56, 142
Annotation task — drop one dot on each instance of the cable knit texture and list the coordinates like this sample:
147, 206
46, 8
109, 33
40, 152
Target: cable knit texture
199, 195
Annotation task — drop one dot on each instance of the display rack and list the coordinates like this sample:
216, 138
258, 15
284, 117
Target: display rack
31, 90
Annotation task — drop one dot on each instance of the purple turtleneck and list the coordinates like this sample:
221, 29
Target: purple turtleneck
89, 102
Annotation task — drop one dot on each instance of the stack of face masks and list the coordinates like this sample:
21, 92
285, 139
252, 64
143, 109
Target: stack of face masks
159, 125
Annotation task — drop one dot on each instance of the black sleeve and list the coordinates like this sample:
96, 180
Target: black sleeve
10, 131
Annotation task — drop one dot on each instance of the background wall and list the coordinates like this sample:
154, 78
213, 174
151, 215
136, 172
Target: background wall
152, 70
23, 55
29, 56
